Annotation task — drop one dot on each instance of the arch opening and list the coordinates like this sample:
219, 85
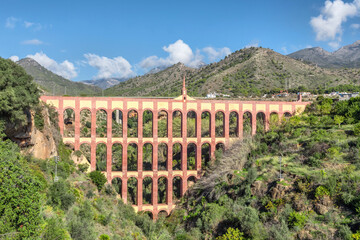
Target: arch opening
234, 124
247, 124
86, 151
177, 156
147, 190
117, 123
177, 185
132, 157
116, 157
162, 190
162, 124
101, 123
219, 124
69, 122
162, 214
191, 124
101, 156
147, 156
205, 124
162, 156
260, 122
191, 181
117, 185
191, 156
205, 155
132, 190
132, 124
274, 120
177, 124
85, 123
147, 124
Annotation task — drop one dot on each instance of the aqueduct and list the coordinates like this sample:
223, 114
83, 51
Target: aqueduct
164, 161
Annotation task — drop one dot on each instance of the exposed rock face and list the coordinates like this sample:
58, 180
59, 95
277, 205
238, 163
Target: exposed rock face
41, 144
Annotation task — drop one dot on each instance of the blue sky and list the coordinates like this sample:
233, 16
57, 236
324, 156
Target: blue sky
94, 39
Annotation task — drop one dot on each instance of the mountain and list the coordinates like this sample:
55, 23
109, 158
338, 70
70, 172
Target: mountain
53, 83
250, 71
104, 82
347, 56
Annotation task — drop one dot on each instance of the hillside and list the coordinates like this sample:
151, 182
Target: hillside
53, 83
104, 82
346, 56
250, 71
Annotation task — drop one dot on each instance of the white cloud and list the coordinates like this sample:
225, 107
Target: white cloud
334, 44
107, 67
253, 43
181, 52
214, 54
65, 69
11, 22
32, 42
355, 26
14, 58
328, 25
28, 24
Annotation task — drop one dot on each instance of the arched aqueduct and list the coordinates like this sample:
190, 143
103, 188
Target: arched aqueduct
161, 144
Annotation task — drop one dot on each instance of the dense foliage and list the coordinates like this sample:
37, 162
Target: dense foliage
17, 92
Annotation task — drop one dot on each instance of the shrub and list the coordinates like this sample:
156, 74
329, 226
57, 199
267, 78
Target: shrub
297, 219
60, 195
55, 229
98, 178
104, 237
83, 167
357, 129
232, 234
321, 191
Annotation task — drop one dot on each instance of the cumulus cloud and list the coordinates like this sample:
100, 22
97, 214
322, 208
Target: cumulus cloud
32, 42
65, 69
214, 54
14, 58
107, 67
355, 26
181, 52
328, 25
254, 43
11, 22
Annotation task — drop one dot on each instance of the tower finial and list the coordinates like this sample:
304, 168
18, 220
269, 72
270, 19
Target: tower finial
184, 87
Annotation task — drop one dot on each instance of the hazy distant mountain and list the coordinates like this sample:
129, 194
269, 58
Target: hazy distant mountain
53, 83
105, 82
347, 56
243, 73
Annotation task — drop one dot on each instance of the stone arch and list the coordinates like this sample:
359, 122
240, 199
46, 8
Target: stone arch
101, 123
117, 123
147, 156
247, 124
220, 146
274, 120
132, 185
116, 182
162, 156
177, 187
147, 190
132, 157
116, 157
85, 149
132, 122
219, 124
162, 124
148, 213
191, 156
205, 124
177, 156
101, 156
177, 124
191, 181
162, 214
162, 190
148, 124
205, 155
260, 122
85, 123
191, 124
69, 122
234, 124
287, 114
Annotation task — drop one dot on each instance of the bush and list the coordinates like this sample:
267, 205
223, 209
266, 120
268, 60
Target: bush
60, 195
232, 234
297, 219
98, 178
81, 222
321, 191
357, 129
83, 167
55, 229
104, 237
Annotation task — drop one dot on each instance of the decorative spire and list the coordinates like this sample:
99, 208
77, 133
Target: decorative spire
184, 87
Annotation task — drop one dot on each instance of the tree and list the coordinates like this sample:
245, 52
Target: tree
98, 178
20, 200
18, 93
339, 119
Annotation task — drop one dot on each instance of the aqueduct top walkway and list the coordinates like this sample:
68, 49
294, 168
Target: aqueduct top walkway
121, 109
